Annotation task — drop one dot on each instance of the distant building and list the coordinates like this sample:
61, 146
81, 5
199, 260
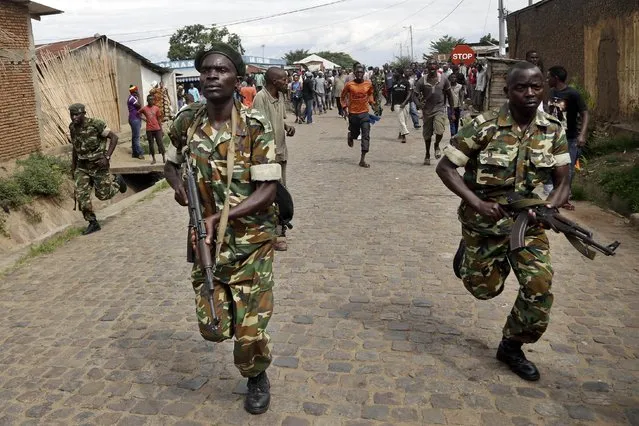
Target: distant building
596, 41
129, 68
185, 72
317, 63
20, 131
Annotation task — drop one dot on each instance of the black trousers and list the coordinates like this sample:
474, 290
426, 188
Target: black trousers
155, 135
360, 123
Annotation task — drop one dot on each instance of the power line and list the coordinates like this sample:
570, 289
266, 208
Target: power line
490, 2
443, 19
374, 36
332, 24
225, 24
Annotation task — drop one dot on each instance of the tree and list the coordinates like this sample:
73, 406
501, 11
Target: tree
342, 59
488, 39
445, 44
189, 40
401, 63
293, 56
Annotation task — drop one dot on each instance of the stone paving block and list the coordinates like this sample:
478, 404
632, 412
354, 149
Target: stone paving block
357, 325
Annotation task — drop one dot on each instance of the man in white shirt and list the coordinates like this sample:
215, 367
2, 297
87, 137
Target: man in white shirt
480, 88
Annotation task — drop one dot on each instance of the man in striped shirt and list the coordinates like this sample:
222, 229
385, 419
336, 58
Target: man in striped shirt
356, 97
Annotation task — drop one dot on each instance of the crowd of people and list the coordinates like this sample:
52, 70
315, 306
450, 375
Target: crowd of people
235, 137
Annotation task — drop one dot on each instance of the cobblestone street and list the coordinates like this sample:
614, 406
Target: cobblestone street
370, 325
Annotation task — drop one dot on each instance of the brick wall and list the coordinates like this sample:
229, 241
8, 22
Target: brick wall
561, 31
19, 129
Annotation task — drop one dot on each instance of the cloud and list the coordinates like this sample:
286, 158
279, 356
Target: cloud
370, 30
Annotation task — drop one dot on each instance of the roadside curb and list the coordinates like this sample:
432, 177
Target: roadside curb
634, 220
104, 216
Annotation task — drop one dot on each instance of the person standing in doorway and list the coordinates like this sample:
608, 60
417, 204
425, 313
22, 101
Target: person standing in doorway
151, 115
356, 98
133, 103
480, 88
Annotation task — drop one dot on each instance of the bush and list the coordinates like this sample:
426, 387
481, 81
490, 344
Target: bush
623, 182
11, 194
41, 175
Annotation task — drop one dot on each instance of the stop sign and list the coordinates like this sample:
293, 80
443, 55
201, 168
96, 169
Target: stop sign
463, 53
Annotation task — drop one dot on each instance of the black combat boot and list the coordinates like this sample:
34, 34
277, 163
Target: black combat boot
459, 258
94, 226
258, 397
510, 353
120, 180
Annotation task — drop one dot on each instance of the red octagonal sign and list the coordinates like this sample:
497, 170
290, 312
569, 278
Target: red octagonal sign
463, 53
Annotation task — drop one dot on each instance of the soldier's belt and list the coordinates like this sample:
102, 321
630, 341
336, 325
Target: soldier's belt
579, 237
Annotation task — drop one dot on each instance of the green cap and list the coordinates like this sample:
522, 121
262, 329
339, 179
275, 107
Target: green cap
77, 109
222, 49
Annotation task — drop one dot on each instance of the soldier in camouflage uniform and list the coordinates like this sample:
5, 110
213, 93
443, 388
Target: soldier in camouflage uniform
243, 275
90, 163
379, 80
514, 150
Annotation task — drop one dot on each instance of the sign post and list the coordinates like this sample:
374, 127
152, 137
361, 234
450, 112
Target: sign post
462, 53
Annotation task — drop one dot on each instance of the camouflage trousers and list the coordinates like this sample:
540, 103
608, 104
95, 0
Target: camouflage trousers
486, 265
243, 298
87, 179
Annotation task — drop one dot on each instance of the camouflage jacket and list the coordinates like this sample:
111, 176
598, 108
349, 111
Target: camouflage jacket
378, 82
89, 141
254, 162
499, 159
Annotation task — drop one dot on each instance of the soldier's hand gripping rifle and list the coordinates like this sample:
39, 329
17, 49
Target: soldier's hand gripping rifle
198, 225
578, 236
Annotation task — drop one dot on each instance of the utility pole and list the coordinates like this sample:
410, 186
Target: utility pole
412, 56
530, 2
262, 54
502, 29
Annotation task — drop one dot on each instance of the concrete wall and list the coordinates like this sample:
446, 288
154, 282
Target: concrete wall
128, 72
19, 125
597, 41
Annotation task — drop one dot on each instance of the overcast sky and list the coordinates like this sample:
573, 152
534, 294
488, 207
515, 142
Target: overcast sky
373, 39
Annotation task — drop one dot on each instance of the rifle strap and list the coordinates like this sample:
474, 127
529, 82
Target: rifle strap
230, 165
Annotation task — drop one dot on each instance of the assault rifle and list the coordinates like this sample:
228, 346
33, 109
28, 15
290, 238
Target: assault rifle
578, 236
198, 225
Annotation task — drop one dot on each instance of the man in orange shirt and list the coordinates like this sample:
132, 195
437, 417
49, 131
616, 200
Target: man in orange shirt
356, 97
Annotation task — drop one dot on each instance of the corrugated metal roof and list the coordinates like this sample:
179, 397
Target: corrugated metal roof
79, 43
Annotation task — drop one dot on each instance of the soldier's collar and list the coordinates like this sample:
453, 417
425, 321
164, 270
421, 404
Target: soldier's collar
241, 129
505, 118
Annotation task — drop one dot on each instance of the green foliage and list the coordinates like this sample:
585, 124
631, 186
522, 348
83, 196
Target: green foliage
600, 145
342, 59
445, 44
3, 224
189, 40
624, 183
38, 175
41, 175
488, 39
578, 193
401, 62
293, 56
11, 194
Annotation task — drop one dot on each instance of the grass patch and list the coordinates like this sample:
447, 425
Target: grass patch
579, 193
600, 145
49, 245
624, 183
